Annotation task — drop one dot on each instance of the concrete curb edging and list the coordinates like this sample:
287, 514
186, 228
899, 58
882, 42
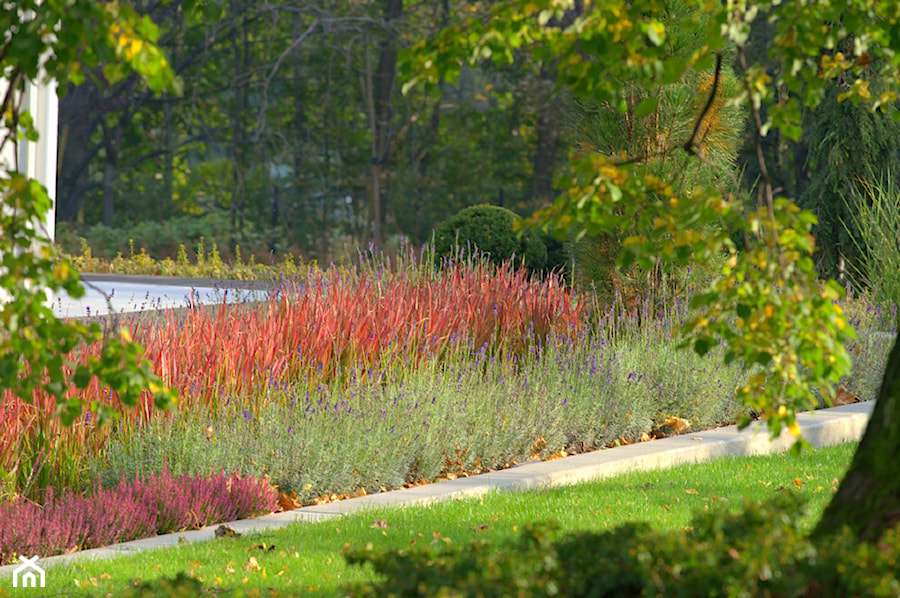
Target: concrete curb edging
824, 427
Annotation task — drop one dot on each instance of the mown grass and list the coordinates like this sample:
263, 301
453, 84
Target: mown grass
306, 558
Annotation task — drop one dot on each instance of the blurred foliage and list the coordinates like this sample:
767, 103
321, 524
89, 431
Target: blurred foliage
656, 119
35, 346
757, 552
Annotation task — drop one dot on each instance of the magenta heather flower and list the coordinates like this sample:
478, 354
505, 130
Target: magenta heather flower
139, 509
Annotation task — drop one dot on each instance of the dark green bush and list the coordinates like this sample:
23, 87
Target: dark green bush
758, 552
489, 229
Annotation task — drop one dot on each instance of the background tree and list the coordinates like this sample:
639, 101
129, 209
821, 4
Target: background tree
843, 145
767, 307
850, 148
293, 124
657, 119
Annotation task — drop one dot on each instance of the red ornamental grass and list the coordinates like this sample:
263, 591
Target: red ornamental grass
139, 509
336, 322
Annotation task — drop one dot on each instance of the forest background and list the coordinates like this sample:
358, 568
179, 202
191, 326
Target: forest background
293, 133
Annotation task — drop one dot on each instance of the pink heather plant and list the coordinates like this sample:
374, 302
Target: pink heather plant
190, 503
138, 509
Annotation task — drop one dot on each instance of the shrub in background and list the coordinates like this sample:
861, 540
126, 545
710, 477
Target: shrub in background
160, 239
489, 230
756, 552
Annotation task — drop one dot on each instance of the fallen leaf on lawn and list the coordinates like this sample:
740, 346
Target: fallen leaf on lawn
798, 482
379, 523
479, 528
252, 565
358, 493
229, 570
223, 531
691, 491
733, 553
264, 547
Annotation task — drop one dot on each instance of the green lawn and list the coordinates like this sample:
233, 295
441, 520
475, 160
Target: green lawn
306, 558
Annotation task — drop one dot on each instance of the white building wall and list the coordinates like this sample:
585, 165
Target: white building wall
37, 160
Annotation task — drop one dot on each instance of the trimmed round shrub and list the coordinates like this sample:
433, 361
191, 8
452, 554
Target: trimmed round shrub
489, 230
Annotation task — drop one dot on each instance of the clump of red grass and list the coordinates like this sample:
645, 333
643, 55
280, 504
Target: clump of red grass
311, 330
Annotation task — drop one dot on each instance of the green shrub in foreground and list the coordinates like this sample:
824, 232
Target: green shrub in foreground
758, 552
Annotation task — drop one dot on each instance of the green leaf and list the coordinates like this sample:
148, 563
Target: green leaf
647, 106
702, 346
82, 376
762, 358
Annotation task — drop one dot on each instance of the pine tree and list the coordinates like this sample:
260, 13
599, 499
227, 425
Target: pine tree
654, 140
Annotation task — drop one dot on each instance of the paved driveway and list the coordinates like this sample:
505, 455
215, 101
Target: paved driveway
140, 293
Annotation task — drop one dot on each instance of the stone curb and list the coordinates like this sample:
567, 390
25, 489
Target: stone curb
824, 427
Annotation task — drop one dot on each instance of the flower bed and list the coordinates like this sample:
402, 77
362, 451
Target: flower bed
155, 504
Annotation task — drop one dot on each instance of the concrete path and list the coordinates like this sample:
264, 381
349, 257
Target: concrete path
821, 428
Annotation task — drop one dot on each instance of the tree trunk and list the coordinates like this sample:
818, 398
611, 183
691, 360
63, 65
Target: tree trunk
164, 209
109, 175
376, 154
380, 96
868, 499
297, 199
240, 84
545, 152
547, 146
112, 142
